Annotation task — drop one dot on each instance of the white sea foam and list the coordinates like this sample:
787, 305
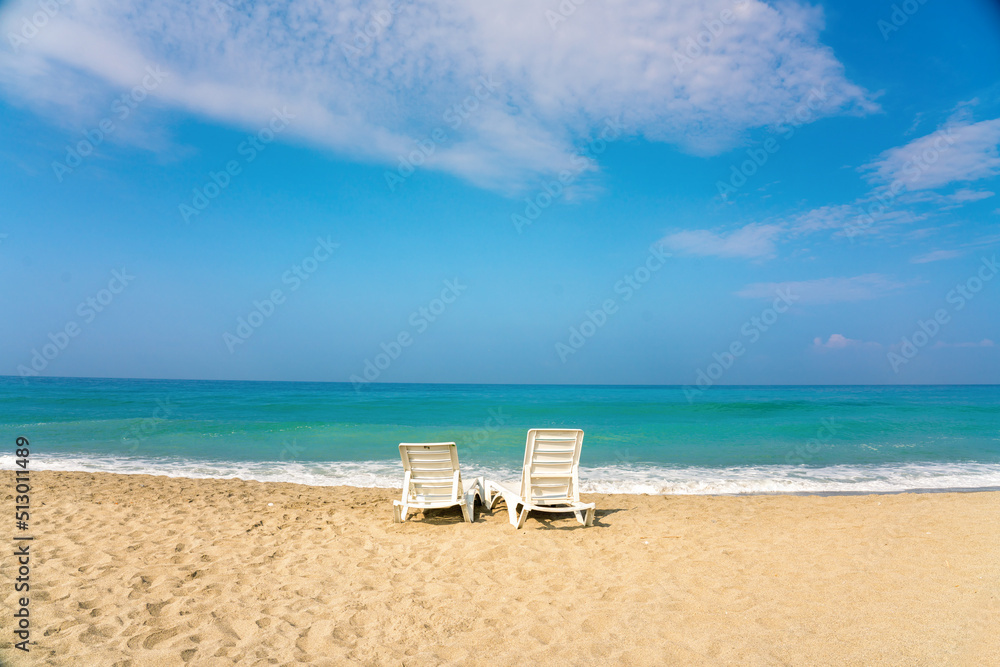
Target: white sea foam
606, 479
883, 478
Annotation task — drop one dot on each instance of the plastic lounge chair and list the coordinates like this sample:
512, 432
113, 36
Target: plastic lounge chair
432, 480
550, 478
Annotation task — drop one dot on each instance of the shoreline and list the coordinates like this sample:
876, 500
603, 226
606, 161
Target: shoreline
183, 571
776, 479
916, 491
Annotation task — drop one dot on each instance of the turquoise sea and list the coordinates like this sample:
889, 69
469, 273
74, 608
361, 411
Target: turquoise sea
637, 439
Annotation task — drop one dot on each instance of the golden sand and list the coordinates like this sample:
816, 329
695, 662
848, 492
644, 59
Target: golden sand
142, 570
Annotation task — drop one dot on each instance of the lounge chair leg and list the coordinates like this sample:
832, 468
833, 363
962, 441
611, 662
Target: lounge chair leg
468, 509
511, 510
489, 496
579, 516
522, 517
483, 492
398, 512
590, 517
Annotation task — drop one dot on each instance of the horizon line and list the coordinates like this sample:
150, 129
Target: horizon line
25, 380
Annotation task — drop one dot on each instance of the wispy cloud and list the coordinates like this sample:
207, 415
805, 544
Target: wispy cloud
820, 219
986, 342
840, 342
935, 256
966, 195
944, 202
843, 217
961, 151
373, 98
753, 241
957, 251
907, 180
828, 290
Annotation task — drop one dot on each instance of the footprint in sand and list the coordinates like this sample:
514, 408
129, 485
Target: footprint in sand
155, 609
151, 640
96, 635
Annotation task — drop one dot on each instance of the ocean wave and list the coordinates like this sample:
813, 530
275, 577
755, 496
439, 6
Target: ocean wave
876, 478
614, 479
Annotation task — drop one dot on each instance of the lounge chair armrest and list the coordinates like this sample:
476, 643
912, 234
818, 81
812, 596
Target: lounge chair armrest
477, 484
493, 490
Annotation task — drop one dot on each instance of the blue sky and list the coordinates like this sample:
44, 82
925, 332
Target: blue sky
687, 193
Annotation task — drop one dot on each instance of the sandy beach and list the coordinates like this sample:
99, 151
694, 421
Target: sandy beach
143, 570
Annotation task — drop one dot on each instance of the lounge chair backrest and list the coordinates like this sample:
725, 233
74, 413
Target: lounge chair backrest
551, 473
431, 472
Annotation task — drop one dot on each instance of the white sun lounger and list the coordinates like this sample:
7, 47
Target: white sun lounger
550, 478
432, 480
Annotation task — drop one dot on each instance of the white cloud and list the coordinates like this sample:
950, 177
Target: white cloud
966, 195
822, 218
935, 256
840, 342
758, 240
903, 194
827, 290
986, 342
904, 179
945, 202
848, 219
879, 212
752, 241
961, 249
373, 97
961, 151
